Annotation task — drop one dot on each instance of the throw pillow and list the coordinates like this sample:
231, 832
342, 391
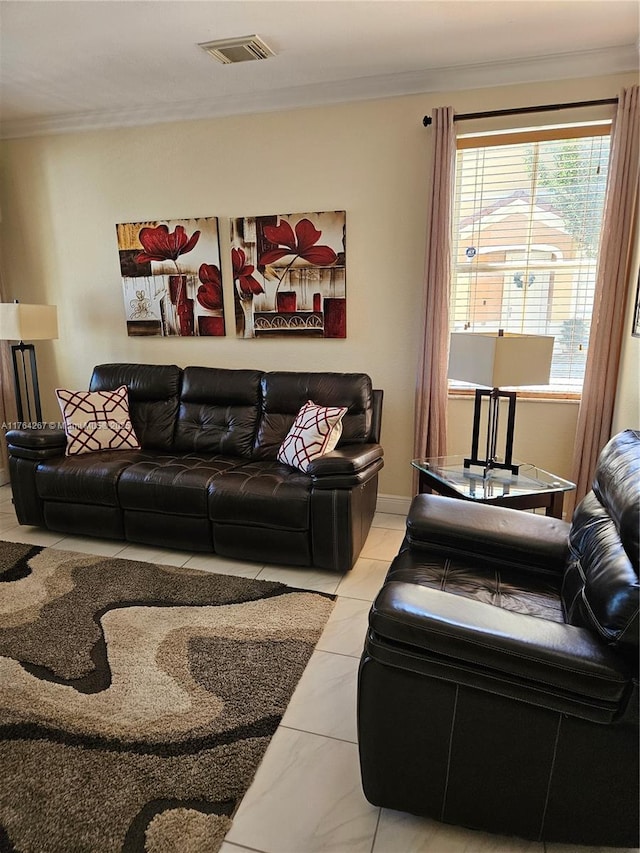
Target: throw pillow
315, 431
97, 420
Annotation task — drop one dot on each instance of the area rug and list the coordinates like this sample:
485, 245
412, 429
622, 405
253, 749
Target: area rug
137, 700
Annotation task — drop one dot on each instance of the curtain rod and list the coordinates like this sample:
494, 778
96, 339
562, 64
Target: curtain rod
544, 108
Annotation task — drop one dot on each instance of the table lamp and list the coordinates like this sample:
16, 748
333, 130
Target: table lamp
19, 322
494, 359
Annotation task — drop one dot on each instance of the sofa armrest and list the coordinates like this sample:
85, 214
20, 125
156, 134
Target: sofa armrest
492, 534
36, 443
347, 466
480, 644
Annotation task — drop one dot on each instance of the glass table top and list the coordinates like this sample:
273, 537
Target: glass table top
472, 482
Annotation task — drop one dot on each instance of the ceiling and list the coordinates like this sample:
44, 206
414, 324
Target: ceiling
79, 64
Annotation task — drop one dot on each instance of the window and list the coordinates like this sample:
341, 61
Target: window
527, 217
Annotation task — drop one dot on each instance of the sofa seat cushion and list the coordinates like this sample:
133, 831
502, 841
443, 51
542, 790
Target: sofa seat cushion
89, 478
173, 484
509, 589
264, 494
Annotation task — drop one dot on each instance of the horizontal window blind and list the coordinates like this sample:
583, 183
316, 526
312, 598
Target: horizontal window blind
527, 221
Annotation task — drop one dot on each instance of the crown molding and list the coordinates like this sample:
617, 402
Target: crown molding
566, 66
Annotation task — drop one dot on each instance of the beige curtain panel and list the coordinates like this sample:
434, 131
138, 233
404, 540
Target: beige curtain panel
613, 281
430, 437
8, 412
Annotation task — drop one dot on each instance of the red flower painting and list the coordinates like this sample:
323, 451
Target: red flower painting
160, 244
209, 293
242, 273
171, 277
302, 244
289, 274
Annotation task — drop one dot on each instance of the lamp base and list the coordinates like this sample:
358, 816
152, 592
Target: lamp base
26, 382
491, 461
490, 465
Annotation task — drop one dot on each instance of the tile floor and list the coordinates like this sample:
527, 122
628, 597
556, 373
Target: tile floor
306, 796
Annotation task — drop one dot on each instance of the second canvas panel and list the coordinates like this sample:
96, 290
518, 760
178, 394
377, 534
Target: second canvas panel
289, 275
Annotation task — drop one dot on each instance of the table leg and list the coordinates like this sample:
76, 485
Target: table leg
423, 484
554, 507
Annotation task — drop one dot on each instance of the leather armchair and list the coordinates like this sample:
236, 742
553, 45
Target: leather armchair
498, 687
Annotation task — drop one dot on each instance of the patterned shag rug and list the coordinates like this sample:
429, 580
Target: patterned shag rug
137, 700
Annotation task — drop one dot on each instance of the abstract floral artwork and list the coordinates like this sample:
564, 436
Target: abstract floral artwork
289, 275
171, 277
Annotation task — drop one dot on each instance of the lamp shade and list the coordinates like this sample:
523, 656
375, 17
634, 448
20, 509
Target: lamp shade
500, 360
22, 322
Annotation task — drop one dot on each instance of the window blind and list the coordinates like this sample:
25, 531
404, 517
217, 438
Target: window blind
527, 220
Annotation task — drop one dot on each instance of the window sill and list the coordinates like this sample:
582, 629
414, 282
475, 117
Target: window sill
538, 396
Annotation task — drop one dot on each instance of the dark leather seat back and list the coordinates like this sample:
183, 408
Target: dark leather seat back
153, 398
600, 587
284, 392
218, 411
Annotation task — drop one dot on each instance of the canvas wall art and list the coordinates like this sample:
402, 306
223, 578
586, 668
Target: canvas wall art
289, 275
171, 277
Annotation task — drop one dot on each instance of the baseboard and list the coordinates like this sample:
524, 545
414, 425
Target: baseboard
4, 476
393, 504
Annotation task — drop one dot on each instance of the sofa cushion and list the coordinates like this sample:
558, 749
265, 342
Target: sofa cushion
315, 432
96, 420
284, 393
508, 588
261, 494
600, 588
176, 484
218, 411
153, 398
89, 478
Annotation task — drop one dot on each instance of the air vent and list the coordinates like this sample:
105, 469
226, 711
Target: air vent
244, 49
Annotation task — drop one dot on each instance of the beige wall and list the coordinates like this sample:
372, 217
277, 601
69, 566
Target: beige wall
61, 197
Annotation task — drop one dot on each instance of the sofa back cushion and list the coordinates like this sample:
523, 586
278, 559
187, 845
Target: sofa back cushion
285, 392
600, 588
218, 411
153, 398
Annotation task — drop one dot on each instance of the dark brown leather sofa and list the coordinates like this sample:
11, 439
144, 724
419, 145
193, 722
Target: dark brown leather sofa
207, 478
498, 688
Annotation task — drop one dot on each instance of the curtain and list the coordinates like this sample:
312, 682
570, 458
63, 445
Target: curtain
430, 436
8, 412
613, 279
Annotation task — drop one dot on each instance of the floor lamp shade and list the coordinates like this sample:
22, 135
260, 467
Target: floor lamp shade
494, 360
19, 322
22, 322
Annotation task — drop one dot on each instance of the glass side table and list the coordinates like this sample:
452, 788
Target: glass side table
529, 489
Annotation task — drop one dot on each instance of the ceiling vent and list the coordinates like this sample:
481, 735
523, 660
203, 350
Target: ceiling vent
244, 49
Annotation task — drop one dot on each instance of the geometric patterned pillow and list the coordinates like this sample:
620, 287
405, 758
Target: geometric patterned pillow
315, 431
97, 420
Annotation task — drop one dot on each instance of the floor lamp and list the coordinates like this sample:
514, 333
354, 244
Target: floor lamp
496, 359
20, 322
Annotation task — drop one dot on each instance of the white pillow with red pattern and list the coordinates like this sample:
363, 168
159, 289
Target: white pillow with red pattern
315, 431
97, 420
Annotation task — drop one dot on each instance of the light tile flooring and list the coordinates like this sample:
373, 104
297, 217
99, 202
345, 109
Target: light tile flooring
306, 796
